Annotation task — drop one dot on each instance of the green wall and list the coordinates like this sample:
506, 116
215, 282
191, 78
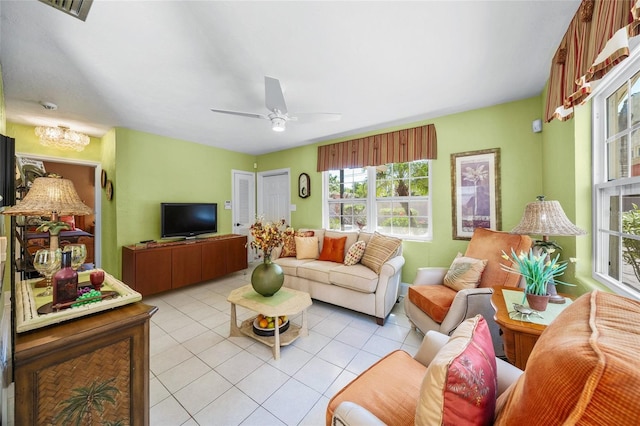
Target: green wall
506, 126
109, 222
151, 169
566, 174
148, 169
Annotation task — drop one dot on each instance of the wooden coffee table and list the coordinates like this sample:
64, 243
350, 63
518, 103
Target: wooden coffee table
285, 302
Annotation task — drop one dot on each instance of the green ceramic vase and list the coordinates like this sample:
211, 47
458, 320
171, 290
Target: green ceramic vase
267, 278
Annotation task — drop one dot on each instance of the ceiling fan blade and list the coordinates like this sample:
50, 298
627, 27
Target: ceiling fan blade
273, 97
243, 114
314, 117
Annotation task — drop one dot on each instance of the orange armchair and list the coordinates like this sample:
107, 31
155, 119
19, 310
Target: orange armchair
430, 305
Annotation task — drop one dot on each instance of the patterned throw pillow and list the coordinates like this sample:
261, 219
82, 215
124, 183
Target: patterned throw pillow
464, 272
379, 250
459, 387
307, 247
289, 243
333, 249
354, 254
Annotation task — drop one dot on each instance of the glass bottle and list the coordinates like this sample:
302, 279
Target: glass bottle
65, 282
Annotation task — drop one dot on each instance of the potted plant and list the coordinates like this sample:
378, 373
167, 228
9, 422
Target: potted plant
537, 269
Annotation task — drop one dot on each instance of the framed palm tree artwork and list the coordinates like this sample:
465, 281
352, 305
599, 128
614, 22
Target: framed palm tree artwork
475, 192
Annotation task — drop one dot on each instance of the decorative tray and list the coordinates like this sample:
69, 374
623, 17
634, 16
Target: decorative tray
27, 303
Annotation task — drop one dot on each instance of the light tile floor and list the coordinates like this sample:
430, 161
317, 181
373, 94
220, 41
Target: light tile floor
201, 376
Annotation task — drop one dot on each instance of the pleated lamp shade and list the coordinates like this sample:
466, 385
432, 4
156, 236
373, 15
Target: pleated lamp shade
546, 218
48, 196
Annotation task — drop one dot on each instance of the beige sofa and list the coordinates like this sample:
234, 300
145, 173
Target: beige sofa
354, 287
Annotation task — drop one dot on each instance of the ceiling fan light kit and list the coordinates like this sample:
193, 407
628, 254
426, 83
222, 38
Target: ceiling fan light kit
278, 124
274, 101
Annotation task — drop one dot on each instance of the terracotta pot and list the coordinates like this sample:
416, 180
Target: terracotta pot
538, 302
267, 278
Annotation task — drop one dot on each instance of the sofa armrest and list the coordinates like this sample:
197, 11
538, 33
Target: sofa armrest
350, 413
388, 288
275, 253
430, 276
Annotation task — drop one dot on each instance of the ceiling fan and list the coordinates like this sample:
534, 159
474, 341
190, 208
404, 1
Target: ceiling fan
278, 115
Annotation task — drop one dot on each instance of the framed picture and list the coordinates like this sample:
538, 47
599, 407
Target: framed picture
475, 192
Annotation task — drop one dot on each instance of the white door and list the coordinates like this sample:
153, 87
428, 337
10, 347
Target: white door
243, 206
274, 195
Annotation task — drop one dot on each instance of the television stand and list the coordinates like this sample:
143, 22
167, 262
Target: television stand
157, 266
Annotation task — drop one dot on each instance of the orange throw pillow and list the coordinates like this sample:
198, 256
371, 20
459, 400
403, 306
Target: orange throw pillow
333, 249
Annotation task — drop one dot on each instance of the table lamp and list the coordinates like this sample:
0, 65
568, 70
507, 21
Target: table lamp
50, 196
547, 218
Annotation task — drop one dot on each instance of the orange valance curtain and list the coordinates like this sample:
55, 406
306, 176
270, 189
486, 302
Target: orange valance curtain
418, 143
597, 39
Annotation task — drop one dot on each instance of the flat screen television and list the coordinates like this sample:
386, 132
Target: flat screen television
188, 219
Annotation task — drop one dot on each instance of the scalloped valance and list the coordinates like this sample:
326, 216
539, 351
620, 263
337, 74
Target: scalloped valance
401, 146
597, 39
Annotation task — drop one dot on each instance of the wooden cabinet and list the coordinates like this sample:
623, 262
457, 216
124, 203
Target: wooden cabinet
186, 265
213, 260
519, 337
237, 257
102, 357
150, 270
160, 267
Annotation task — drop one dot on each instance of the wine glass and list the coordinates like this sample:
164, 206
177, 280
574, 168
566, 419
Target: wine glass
78, 254
47, 262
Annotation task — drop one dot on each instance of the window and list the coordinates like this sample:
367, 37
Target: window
617, 180
392, 199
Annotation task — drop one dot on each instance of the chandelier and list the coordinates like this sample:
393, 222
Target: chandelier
62, 138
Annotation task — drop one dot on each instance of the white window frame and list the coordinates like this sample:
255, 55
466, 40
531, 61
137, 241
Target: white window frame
371, 204
602, 187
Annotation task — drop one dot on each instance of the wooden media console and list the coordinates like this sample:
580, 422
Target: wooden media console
158, 267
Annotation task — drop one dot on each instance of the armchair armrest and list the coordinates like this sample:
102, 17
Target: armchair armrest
430, 276
468, 303
350, 413
507, 375
432, 342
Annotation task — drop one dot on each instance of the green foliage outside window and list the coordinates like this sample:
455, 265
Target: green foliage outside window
631, 247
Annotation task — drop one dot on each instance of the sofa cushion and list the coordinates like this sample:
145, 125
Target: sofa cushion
289, 242
333, 249
388, 389
583, 368
459, 387
316, 270
352, 237
307, 247
290, 265
354, 277
354, 253
488, 244
434, 300
379, 249
464, 272
365, 236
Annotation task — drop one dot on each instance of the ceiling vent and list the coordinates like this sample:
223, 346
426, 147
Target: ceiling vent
76, 8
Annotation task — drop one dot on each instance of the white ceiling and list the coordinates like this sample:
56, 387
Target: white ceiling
159, 66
